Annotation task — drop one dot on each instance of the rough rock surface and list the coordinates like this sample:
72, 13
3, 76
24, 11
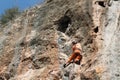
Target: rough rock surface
36, 44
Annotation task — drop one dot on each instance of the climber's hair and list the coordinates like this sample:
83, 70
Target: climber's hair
74, 42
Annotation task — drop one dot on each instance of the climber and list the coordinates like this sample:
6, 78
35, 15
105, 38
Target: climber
76, 56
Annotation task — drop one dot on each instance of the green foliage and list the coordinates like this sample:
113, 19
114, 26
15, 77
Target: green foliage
9, 14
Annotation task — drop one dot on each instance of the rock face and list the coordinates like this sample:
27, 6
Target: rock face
36, 44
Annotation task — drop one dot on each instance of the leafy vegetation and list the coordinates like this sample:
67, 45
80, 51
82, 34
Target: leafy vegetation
9, 14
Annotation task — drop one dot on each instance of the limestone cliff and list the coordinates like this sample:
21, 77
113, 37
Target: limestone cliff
36, 44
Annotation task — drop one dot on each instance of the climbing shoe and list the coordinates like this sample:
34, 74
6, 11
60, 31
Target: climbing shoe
64, 65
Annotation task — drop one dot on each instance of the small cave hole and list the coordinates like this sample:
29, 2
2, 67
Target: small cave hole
22, 44
117, 75
63, 23
101, 3
96, 29
1, 78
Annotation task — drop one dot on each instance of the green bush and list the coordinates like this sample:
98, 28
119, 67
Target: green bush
9, 14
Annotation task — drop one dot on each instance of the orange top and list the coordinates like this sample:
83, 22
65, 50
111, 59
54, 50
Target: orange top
76, 50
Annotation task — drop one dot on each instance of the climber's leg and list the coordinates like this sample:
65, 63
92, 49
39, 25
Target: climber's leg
78, 59
72, 57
